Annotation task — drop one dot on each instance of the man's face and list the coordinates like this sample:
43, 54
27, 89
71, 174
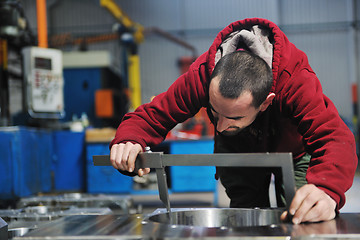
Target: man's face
231, 115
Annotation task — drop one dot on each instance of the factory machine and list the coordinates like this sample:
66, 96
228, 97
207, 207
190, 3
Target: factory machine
199, 223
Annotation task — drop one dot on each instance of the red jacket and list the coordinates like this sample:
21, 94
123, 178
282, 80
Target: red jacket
310, 120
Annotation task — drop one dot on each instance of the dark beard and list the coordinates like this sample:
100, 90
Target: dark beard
234, 132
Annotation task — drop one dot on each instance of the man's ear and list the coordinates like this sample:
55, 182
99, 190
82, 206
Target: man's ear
267, 102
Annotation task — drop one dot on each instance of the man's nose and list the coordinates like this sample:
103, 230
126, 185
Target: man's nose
222, 124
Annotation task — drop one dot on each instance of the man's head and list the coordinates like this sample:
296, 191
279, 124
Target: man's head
239, 89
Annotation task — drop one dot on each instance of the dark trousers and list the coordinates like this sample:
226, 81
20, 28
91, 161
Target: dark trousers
249, 186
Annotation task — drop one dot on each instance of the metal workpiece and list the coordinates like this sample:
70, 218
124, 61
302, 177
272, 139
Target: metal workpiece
140, 226
118, 203
42, 213
22, 221
159, 160
219, 217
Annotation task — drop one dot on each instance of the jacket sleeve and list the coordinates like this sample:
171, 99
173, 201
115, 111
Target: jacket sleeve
326, 137
149, 124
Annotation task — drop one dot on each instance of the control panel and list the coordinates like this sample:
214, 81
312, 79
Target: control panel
44, 83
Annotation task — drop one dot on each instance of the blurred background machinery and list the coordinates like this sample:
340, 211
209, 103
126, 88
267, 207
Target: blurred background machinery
70, 70
59, 107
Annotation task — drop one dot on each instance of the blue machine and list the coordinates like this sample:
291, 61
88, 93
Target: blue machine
69, 161
40, 161
80, 87
79, 92
25, 156
104, 179
190, 178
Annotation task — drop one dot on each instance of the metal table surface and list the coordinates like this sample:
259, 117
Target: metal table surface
137, 226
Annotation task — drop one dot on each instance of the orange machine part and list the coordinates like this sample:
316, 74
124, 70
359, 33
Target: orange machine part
42, 23
104, 105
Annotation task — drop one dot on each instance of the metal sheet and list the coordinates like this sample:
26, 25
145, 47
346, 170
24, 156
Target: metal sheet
139, 227
35, 211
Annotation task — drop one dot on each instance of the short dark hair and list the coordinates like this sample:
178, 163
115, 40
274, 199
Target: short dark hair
243, 70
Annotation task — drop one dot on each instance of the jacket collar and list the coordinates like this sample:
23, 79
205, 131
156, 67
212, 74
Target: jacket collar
255, 28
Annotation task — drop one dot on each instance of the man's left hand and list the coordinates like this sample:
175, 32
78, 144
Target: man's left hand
311, 204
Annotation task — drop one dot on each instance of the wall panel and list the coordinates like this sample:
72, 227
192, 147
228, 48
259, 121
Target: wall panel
328, 57
312, 12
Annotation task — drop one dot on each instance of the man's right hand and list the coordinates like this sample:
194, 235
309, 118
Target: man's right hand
123, 156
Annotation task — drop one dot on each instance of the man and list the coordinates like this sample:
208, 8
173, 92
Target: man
262, 96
